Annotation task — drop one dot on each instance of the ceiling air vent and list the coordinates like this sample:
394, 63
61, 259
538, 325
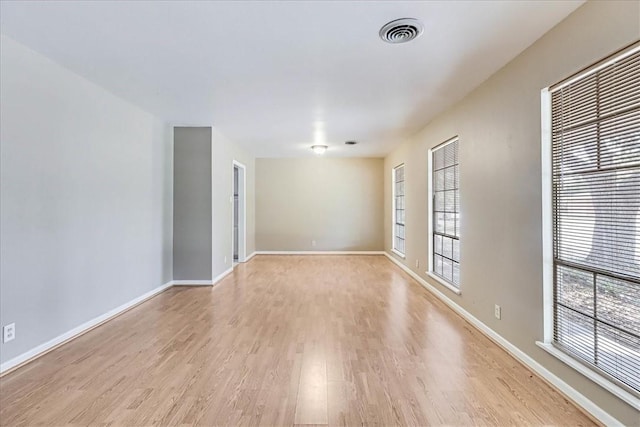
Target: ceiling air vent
401, 30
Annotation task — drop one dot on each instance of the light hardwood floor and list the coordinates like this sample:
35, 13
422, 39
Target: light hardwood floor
284, 340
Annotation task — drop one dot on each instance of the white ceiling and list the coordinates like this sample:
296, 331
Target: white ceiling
278, 76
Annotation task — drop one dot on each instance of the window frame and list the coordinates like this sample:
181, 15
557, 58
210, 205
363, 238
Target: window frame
394, 209
430, 207
597, 375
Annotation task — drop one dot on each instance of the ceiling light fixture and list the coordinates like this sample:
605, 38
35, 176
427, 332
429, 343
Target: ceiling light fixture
401, 30
319, 149
351, 142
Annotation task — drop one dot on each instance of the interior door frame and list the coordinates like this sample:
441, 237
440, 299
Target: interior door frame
242, 218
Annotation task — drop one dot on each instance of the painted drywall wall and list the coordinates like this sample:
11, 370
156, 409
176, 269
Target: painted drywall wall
85, 199
338, 203
223, 155
192, 203
500, 184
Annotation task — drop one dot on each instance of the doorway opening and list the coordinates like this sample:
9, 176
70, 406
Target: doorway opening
238, 213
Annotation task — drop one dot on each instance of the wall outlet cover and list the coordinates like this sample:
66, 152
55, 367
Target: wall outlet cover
9, 332
497, 311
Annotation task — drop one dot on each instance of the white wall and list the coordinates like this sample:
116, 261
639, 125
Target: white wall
86, 197
500, 184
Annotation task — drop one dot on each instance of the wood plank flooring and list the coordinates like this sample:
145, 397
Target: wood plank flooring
285, 340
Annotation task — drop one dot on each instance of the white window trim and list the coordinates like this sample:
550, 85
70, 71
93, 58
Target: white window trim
547, 267
393, 211
397, 252
429, 272
443, 282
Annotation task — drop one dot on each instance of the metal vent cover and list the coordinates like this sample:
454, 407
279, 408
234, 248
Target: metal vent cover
401, 30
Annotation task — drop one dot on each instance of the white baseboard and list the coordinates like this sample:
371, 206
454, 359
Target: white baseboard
222, 276
250, 256
77, 331
570, 392
192, 282
319, 252
202, 282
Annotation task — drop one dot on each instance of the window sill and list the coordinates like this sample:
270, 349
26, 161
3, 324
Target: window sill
400, 254
602, 381
444, 283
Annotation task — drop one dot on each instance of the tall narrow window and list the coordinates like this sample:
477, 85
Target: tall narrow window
398, 210
445, 217
595, 177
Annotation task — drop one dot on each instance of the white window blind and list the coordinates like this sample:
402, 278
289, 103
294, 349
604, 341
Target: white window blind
446, 212
595, 126
398, 209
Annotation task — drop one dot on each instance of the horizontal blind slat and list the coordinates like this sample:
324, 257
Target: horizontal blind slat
595, 157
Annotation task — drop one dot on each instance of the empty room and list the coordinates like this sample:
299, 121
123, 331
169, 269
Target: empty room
328, 213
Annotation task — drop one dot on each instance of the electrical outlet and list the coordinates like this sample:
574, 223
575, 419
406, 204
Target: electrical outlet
225, 260
417, 264
313, 243
497, 311
9, 332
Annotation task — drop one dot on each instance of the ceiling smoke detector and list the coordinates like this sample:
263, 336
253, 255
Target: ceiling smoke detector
401, 30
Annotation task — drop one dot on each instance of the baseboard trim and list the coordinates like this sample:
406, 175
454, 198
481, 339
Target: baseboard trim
222, 275
192, 282
42, 349
319, 252
250, 256
581, 401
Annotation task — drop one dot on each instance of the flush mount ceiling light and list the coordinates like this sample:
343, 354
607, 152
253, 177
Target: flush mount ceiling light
319, 149
401, 30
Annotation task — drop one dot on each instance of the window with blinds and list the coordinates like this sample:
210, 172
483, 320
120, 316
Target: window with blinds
446, 212
398, 209
595, 137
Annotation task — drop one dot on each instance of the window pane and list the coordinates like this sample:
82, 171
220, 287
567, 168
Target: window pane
439, 225
575, 289
438, 160
619, 303
456, 274
450, 224
439, 180
437, 244
449, 154
456, 250
447, 247
456, 176
449, 201
617, 351
449, 179
447, 269
439, 201
575, 332
437, 264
